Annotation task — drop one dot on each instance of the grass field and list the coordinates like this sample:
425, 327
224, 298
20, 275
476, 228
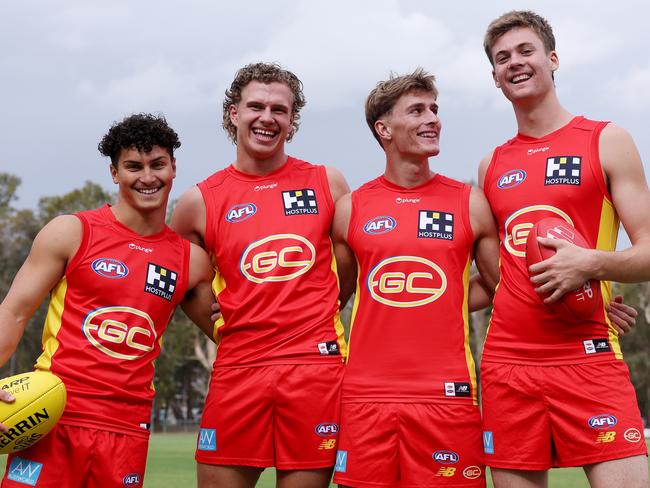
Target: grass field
171, 464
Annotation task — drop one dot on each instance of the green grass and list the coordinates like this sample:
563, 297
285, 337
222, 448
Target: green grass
171, 464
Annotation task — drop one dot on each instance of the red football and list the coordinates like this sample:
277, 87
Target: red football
582, 302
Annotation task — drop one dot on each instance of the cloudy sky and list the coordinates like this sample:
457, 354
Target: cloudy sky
71, 68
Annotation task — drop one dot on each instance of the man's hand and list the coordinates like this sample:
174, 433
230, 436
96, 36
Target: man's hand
565, 271
216, 312
622, 317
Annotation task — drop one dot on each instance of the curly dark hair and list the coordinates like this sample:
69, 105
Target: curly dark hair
139, 131
264, 73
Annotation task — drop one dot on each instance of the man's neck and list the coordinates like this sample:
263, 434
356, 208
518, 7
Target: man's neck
537, 118
249, 164
408, 173
143, 223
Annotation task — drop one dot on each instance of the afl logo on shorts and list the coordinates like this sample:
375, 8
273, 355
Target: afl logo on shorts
241, 212
380, 225
327, 429
518, 226
511, 179
445, 457
120, 332
603, 421
110, 268
132, 480
406, 281
280, 257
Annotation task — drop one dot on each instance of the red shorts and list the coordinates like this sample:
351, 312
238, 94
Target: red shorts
285, 416
410, 444
538, 417
79, 457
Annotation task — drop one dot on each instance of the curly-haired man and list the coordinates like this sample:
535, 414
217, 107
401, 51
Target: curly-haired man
115, 275
274, 394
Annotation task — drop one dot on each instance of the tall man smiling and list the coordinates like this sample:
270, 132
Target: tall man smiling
274, 394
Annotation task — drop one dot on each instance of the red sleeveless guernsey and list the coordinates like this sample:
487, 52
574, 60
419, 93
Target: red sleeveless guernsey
276, 276
105, 321
409, 340
558, 175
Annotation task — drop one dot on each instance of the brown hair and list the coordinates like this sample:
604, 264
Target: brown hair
517, 19
264, 73
385, 95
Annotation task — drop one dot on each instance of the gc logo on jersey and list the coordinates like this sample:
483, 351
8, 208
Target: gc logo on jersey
241, 212
380, 225
406, 281
518, 225
512, 178
160, 281
433, 224
109, 268
280, 257
299, 202
120, 332
563, 170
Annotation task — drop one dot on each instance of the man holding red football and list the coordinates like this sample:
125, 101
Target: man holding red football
115, 275
556, 391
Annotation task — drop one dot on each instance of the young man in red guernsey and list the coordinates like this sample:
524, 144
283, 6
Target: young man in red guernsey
115, 275
410, 414
274, 395
556, 392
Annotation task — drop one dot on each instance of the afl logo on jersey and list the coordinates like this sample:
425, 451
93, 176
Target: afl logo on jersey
511, 179
406, 281
120, 332
518, 225
280, 257
110, 268
241, 212
380, 225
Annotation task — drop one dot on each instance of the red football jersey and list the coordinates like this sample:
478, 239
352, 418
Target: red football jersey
276, 276
558, 175
409, 340
105, 321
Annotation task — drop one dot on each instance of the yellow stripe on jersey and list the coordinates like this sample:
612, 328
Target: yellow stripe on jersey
607, 235
338, 325
52, 326
355, 307
471, 367
218, 285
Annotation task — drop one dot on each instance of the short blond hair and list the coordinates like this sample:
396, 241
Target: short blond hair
385, 95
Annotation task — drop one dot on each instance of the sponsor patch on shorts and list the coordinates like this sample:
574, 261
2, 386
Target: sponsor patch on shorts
341, 461
207, 440
488, 442
24, 471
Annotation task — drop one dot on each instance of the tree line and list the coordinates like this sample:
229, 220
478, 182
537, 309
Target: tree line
183, 369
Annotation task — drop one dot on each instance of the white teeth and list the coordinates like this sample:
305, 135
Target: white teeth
147, 191
428, 134
521, 77
262, 132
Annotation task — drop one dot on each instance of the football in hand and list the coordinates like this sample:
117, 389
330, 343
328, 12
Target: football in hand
40, 400
580, 303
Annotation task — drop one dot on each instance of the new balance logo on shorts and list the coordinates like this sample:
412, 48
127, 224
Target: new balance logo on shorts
24, 471
563, 170
456, 389
330, 348
593, 346
160, 281
299, 202
433, 224
341, 461
207, 440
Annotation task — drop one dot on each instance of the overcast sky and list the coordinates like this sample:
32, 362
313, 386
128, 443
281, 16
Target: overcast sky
71, 68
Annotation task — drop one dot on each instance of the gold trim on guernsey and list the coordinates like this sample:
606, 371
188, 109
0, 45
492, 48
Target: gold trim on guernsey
338, 325
355, 307
607, 235
218, 285
52, 326
471, 367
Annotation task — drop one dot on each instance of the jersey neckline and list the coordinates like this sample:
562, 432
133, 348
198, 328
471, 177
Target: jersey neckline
240, 175
414, 189
533, 140
110, 216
